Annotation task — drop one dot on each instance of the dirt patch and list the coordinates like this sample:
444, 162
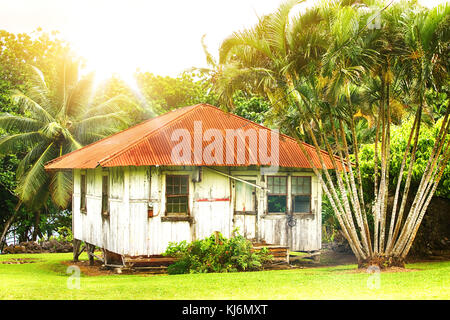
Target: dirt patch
99, 270
329, 257
86, 269
385, 270
326, 258
19, 261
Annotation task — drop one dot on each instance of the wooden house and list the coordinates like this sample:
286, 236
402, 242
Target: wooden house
132, 197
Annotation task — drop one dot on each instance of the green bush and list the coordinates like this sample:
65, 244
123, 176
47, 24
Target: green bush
64, 235
216, 255
399, 138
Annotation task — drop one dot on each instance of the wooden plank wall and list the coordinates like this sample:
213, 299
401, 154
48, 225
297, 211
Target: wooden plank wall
128, 229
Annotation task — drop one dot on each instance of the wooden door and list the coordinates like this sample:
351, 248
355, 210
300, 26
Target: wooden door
245, 208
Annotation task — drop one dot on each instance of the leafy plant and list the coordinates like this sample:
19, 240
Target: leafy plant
216, 254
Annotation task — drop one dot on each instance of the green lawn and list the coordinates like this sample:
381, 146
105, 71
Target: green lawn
47, 279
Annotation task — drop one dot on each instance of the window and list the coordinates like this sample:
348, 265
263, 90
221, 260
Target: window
277, 195
105, 194
177, 195
83, 192
301, 194
245, 196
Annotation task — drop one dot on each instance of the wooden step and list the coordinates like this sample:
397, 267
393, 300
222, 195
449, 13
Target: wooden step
149, 261
279, 253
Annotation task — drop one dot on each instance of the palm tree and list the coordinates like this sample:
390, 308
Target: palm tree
319, 66
56, 118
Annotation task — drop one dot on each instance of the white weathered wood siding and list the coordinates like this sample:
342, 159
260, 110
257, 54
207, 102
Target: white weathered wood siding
212, 204
211, 207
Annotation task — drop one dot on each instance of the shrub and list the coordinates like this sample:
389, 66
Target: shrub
399, 138
216, 254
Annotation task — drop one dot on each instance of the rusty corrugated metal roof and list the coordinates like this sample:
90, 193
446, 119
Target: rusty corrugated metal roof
150, 143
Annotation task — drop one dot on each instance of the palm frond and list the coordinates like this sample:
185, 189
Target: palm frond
9, 122
111, 105
30, 157
61, 188
80, 95
35, 178
10, 143
28, 104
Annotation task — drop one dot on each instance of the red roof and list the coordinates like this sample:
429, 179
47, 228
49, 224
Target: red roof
150, 143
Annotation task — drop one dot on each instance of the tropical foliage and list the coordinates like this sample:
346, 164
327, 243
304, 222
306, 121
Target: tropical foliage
54, 118
326, 66
17, 52
168, 93
399, 139
216, 254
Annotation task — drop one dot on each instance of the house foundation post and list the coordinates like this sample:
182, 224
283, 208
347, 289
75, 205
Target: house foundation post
76, 249
90, 251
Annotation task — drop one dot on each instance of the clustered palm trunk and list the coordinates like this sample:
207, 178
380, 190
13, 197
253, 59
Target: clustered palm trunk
326, 64
393, 236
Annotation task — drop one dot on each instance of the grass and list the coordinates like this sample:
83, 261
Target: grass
47, 279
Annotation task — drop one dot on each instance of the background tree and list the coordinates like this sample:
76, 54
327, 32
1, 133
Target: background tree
54, 118
17, 52
168, 93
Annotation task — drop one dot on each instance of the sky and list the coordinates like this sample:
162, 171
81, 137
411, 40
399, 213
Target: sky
159, 36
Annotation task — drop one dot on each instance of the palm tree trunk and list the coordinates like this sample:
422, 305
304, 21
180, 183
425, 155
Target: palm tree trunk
340, 215
361, 193
407, 183
399, 182
356, 204
378, 193
387, 146
423, 188
363, 226
430, 196
375, 157
8, 225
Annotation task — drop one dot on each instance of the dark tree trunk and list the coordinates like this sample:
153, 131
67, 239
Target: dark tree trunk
5, 229
37, 220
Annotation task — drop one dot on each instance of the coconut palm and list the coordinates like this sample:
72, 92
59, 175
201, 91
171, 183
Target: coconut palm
56, 118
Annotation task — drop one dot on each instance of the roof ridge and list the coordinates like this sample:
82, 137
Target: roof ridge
135, 142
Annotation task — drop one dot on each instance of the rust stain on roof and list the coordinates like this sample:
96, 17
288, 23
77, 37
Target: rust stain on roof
150, 143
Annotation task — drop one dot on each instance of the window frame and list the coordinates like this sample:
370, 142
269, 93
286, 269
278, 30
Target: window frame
293, 195
83, 195
270, 193
250, 179
105, 195
178, 214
